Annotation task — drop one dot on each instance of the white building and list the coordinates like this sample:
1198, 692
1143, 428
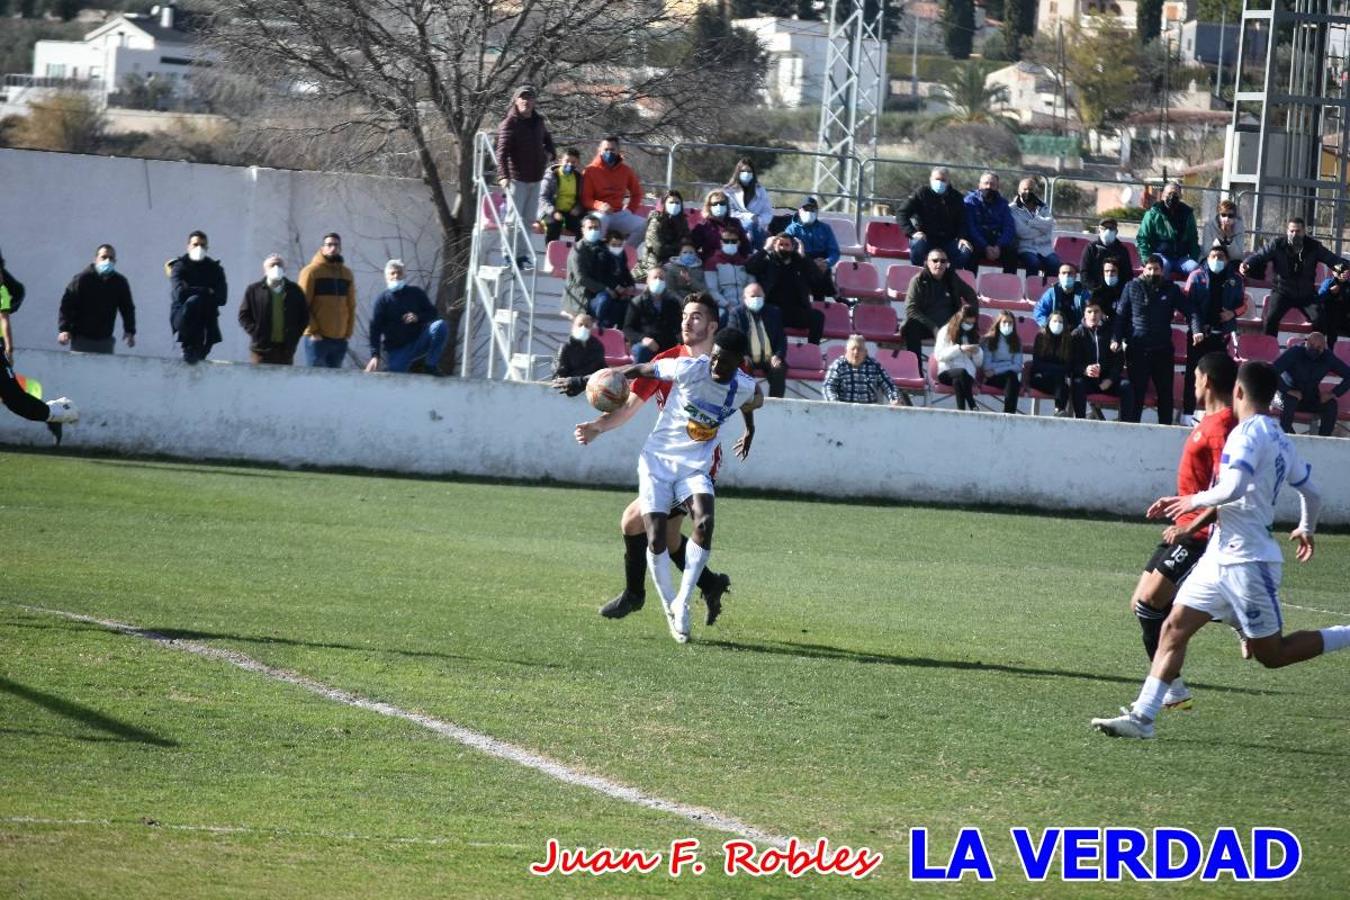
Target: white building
797, 54
1051, 13
1032, 95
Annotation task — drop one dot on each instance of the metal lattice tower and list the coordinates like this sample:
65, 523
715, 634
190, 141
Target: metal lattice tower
850, 105
1287, 146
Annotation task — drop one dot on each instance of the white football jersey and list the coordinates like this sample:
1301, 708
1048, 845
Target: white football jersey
686, 430
1266, 453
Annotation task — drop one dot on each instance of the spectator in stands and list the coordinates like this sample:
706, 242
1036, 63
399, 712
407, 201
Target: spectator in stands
524, 150
1107, 294
1226, 229
1301, 369
724, 272
1095, 368
1050, 360
560, 197
91, 303
1003, 359
1168, 231
598, 280
684, 273
273, 314
763, 326
932, 298
750, 203
1107, 246
667, 228
1295, 257
717, 218
330, 290
581, 354
1216, 298
404, 327
959, 355
653, 321
786, 273
935, 217
1067, 295
1143, 326
1035, 231
989, 222
818, 243
856, 377
1334, 298
604, 184
198, 291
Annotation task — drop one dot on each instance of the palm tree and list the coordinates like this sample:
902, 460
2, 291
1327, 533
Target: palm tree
971, 101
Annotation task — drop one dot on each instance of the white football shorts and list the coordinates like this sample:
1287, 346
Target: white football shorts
1242, 594
663, 483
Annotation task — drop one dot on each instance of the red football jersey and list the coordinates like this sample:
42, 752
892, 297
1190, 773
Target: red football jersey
1200, 460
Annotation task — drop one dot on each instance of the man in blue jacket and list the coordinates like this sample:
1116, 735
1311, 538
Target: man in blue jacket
1301, 370
1334, 297
1216, 296
1143, 324
818, 244
1068, 296
405, 325
990, 224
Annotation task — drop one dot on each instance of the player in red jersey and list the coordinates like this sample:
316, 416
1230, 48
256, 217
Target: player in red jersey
1184, 542
697, 327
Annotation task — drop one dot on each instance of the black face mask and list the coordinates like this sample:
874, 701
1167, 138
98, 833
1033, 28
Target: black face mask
1171, 201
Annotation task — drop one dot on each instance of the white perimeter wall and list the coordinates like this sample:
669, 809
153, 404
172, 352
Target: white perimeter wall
59, 207
405, 423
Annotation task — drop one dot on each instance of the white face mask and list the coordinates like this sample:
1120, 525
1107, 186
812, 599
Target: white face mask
807, 216
939, 187
275, 274
1216, 265
1111, 280
967, 326
395, 284
746, 177
1056, 326
581, 333
755, 303
1109, 236
196, 254
617, 251
656, 287
1005, 328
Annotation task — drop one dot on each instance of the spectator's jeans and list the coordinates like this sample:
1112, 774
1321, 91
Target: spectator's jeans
642, 353
429, 344
607, 309
1011, 382
1280, 301
627, 223
553, 228
1055, 384
1183, 264
1212, 343
918, 252
525, 194
1154, 364
1038, 264
324, 353
1007, 258
756, 234
1121, 389
1325, 410
92, 345
194, 323
914, 333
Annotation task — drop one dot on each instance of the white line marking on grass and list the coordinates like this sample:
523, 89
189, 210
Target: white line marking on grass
246, 829
1325, 612
483, 743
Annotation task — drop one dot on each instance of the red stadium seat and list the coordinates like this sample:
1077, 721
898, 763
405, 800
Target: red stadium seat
837, 324
630, 253
1132, 249
490, 202
858, 280
694, 217
1037, 284
1027, 329
1342, 349
1261, 347
1294, 320
1179, 342
967, 276
903, 367
875, 322
804, 361
555, 257
1069, 247
898, 278
1002, 286
846, 235
886, 239
616, 351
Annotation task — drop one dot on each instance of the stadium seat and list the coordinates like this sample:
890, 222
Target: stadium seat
898, 278
875, 322
694, 217
1027, 329
1001, 286
1342, 349
1036, 285
1294, 320
1179, 342
1261, 347
837, 324
804, 362
555, 257
967, 276
1069, 247
616, 351
630, 253
846, 235
858, 280
1135, 262
490, 202
886, 239
903, 367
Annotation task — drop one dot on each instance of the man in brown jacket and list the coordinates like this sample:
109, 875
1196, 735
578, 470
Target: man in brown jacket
330, 292
524, 150
933, 297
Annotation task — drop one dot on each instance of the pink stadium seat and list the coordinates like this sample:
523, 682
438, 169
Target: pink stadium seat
875, 322
833, 352
1027, 329
903, 367
967, 276
1036, 285
694, 217
1342, 349
846, 235
1070, 247
898, 278
490, 202
1132, 249
1295, 321
630, 253
1262, 347
886, 239
837, 324
804, 362
1178, 347
859, 280
555, 257
616, 351
1002, 286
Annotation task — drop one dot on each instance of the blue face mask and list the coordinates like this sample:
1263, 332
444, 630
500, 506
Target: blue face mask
395, 284
939, 187
689, 259
1216, 265
674, 207
609, 157
1067, 282
718, 210
731, 249
657, 287
1111, 280
105, 268
746, 177
591, 236
568, 168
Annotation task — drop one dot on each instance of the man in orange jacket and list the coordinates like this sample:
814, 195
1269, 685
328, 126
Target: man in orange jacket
330, 291
603, 185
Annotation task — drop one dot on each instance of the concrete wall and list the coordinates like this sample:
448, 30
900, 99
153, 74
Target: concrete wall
436, 426
61, 206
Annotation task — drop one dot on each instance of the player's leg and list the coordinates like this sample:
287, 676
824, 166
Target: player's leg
1261, 620
1152, 601
711, 585
634, 593
696, 555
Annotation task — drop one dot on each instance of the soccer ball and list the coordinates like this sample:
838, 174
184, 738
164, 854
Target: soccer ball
606, 390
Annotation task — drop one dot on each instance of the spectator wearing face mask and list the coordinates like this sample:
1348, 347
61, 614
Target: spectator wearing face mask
580, 355
750, 203
1095, 368
605, 183
560, 197
786, 274
1107, 294
653, 321
404, 326
934, 217
1334, 298
1216, 297
959, 355
1143, 326
1067, 295
717, 219
598, 280
1226, 229
684, 272
1294, 257
725, 275
1095, 255
1003, 359
818, 245
273, 314
197, 290
667, 228
1168, 231
91, 304
1301, 369
1035, 231
1051, 356
989, 222
763, 326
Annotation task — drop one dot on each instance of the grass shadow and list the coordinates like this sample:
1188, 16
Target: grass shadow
83, 714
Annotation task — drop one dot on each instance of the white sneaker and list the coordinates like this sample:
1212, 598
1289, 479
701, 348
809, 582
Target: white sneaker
1178, 701
677, 617
1188, 420
1127, 724
62, 411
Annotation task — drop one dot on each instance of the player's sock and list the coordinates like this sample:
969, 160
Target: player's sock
635, 564
1177, 688
1337, 637
1150, 699
696, 560
1150, 623
707, 579
659, 563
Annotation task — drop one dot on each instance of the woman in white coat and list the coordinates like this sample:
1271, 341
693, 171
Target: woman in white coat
749, 202
959, 355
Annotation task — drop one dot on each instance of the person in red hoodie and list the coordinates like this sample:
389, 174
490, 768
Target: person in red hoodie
603, 185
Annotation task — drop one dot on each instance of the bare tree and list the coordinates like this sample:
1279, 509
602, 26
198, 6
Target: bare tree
411, 82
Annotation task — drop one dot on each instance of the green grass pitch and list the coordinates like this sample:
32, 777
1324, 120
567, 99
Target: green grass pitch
877, 668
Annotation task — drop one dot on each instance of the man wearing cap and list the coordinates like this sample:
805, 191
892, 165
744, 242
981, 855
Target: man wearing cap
818, 245
1334, 298
524, 150
1096, 254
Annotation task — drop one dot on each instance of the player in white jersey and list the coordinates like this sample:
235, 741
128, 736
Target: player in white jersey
677, 459
1237, 579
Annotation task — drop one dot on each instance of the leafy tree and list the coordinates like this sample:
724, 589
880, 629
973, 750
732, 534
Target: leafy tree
958, 25
1101, 67
971, 101
1148, 20
971, 144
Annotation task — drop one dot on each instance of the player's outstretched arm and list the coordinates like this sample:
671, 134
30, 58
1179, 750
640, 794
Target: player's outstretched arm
1173, 533
1310, 502
638, 370
742, 445
589, 431
756, 401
